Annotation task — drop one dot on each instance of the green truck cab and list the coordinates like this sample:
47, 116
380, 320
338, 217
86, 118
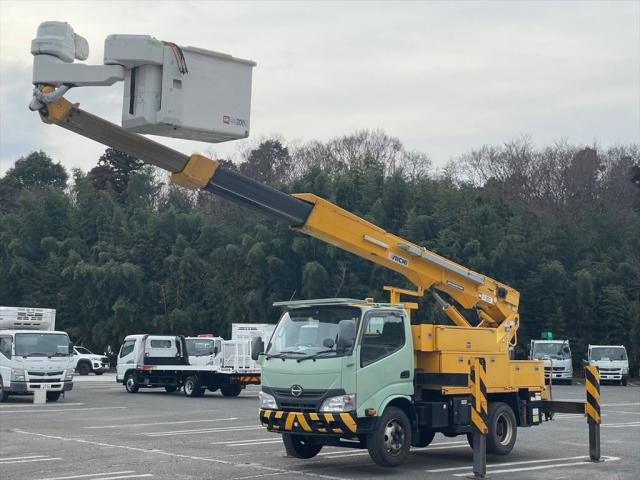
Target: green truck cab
340, 372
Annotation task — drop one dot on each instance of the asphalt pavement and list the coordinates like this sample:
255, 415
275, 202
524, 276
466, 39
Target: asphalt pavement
100, 432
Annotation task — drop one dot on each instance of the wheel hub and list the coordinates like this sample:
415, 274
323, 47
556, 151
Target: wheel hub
394, 437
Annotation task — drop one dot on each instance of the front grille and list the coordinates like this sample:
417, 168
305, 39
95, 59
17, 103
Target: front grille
45, 374
555, 369
44, 380
309, 400
286, 393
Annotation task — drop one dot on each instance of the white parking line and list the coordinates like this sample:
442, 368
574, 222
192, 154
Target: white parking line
619, 404
583, 462
21, 458
622, 425
202, 430
453, 469
45, 459
162, 423
258, 442
155, 451
88, 475
435, 446
64, 410
23, 405
144, 475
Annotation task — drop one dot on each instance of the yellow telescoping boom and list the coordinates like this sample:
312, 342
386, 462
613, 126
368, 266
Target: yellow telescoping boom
439, 348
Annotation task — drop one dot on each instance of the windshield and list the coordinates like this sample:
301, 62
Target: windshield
558, 351
308, 331
42, 345
608, 353
199, 347
83, 351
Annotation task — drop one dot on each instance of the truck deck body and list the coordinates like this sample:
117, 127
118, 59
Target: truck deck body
33, 355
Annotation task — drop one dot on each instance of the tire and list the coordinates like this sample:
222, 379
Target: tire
192, 387
4, 395
624, 382
84, 368
425, 437
231, 390
503, 429
98, 373
53, 396
300, 446
390, 442
130, 383
170, 388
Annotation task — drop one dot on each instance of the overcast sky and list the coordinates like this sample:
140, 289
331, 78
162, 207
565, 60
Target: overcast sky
444, 77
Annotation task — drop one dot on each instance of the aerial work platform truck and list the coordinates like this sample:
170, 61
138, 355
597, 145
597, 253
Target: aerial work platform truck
357, 373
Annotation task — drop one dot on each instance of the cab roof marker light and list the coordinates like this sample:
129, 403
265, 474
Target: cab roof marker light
375, 241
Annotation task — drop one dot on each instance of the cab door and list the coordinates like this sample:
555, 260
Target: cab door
384, 359
126, 358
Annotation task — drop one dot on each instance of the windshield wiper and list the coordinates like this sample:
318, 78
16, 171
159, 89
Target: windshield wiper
279, 355
36, 354
315, 355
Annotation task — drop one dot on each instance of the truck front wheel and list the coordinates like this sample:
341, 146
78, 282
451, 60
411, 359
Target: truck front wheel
389, 443
4, 395
503, 429
299, 446
192, 387
84, 368
130, 383
53, 396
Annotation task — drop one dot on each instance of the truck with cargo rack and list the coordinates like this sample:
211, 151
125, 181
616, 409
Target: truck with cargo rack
33, 355
193, 364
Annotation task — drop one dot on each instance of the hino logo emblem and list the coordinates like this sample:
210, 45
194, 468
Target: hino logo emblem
296, 390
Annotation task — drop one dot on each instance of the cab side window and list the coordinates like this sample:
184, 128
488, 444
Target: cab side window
383, 335
127, 348
5, 346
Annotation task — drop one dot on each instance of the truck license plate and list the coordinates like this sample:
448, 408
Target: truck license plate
45, 386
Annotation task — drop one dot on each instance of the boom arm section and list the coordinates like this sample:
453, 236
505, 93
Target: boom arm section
496, 303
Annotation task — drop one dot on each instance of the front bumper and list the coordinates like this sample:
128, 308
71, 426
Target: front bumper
343, 424
29, 387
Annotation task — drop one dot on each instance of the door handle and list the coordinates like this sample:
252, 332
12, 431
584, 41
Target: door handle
404, 374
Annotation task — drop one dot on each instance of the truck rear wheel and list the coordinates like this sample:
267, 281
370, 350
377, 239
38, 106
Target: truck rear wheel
389, 443
130, 383
192, 387
299, 446
425, 437
231, 390
503, 429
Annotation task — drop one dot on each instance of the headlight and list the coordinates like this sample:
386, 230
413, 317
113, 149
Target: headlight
17, 375
625, 370
267, 401
69, 375
341, 403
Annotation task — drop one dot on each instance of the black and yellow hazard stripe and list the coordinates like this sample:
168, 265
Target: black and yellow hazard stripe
479, 402
592, 407
309, 422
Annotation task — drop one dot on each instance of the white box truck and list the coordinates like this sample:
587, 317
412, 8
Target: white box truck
556, 354
33, 355
612, 362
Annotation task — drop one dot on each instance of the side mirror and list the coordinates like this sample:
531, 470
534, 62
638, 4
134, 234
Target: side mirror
257, 348
585, 362
346, 334
215, 351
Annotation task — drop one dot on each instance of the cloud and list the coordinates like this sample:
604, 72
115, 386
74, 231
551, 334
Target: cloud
443, 77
